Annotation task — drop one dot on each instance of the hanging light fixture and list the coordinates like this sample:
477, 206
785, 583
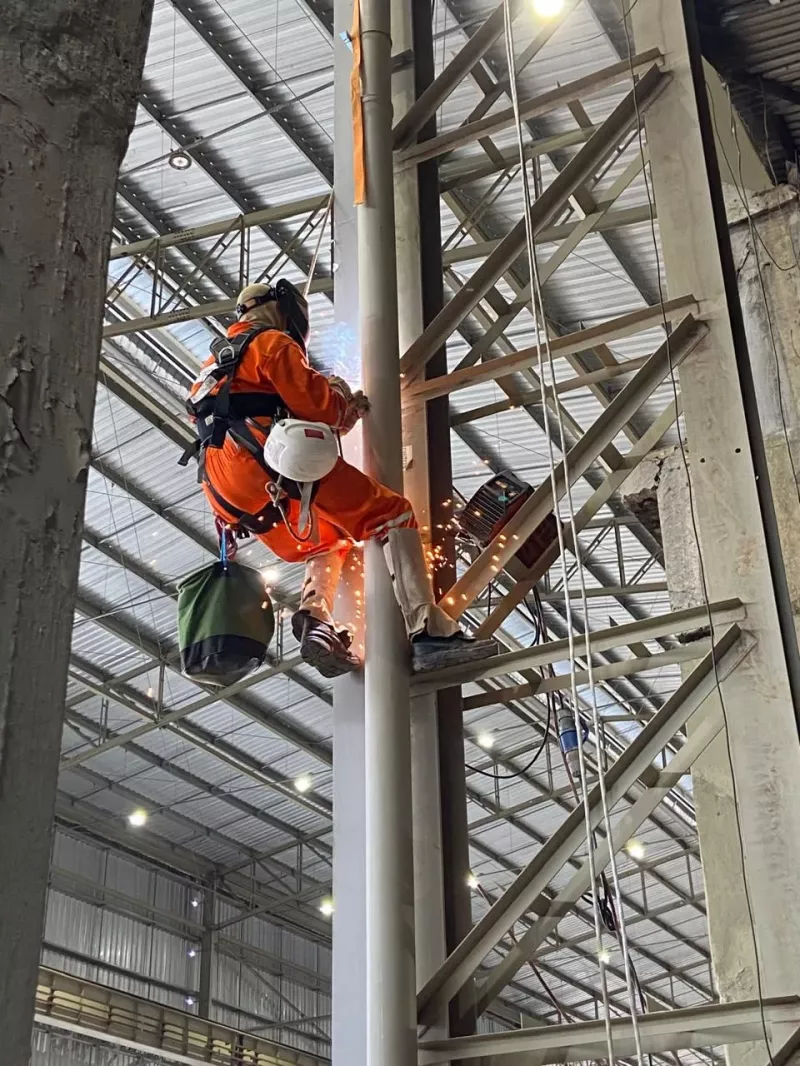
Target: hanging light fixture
179, 160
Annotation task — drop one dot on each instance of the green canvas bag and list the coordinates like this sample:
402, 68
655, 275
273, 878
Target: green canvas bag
225, 623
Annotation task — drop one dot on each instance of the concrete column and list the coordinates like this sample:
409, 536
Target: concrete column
766, 259
661, 482
70, 72
733, 527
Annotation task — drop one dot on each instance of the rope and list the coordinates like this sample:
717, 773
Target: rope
539, 317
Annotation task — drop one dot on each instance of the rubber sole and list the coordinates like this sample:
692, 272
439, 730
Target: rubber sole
319, 652
436, 656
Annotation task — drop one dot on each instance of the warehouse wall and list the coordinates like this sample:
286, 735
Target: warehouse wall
120, 923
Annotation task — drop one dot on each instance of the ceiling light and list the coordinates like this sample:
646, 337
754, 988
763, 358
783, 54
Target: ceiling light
485, 741
547, 9
326, 907
303, 783
190, 1001
195, 902
604, 956
137, 818
192, 953
635, 848
472, 881
270, 575
179, 160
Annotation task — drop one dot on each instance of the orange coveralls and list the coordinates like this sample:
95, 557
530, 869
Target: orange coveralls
348, 505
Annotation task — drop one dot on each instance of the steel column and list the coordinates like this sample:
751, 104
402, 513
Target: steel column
390, 890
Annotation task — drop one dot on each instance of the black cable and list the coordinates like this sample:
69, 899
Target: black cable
696, 533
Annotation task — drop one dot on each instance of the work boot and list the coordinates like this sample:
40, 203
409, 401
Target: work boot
437, 640
323, 646
434, 653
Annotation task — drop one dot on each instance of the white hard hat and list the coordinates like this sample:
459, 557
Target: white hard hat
301, 451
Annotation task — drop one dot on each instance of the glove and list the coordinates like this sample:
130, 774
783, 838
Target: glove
357, 407
340, 385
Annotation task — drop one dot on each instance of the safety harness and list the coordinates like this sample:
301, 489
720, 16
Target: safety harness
218, 413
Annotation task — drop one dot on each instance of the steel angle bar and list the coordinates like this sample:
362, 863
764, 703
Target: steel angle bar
577, 461
175, 715
187, 314
581, 340
129, 390
525, 399
710, 1025
628, 216
707, 723
150, 245
431, 99
598, 499
533, 108
543, 212
588, 224
684, 654
555, 651
534, 879
480, 166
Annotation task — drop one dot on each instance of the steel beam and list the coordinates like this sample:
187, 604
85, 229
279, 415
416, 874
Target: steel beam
556, 651
526, 399
431, 99
581, 340
620, 777
268, 94
706, 723
541, 502
538, 105
602, 494
151, 246
186, 314
691, 1027
562, 683
543, 212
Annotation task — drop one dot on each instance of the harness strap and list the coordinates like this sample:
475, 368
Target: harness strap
261, 522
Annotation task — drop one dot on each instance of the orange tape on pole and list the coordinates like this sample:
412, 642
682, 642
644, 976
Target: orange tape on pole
359, 167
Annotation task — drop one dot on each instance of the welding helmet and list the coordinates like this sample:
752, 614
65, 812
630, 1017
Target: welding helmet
291, 303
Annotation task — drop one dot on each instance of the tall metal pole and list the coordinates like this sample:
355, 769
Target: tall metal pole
391, 1016
349, 1025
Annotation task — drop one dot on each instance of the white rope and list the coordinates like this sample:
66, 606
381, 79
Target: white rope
537, 299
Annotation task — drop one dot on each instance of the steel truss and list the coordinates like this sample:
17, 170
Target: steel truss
159, 258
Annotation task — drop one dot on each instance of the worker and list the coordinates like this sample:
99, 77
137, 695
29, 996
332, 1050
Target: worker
259, 375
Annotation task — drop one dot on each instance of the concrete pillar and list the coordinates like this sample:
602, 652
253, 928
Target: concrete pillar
70, 72
662, 479
766, 259
734, 526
